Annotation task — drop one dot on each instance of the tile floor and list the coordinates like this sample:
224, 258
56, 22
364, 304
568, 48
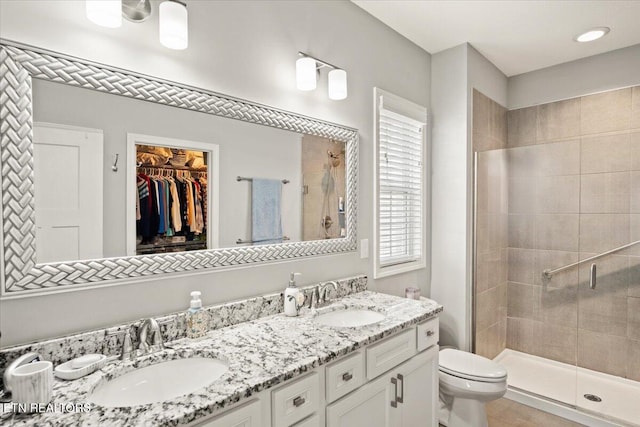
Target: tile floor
507, 413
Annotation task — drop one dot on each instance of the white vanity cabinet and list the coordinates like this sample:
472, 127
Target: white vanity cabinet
369, 406
417, 381
391, 383
406, 396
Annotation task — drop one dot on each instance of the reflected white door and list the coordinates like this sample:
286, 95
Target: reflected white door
68, 193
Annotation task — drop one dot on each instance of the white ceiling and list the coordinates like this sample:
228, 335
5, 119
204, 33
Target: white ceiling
517, 35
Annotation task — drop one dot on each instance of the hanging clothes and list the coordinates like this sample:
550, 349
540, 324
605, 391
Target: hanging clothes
175, 207
149, 218
168, 206
203, 193
199, 218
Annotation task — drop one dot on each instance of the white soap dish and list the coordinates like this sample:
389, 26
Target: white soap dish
79, 367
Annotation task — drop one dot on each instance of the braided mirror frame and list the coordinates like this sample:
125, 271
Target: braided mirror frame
21, 274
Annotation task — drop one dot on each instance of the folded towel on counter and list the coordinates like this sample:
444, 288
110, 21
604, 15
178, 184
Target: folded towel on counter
266, 198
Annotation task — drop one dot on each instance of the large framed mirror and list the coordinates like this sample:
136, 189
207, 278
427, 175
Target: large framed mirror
108, 175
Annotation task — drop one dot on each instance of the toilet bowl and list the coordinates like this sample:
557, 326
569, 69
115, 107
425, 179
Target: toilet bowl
467, 382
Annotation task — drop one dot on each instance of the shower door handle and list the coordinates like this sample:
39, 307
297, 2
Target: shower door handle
592, 276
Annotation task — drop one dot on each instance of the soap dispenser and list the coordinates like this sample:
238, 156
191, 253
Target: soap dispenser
197, 318
293, 298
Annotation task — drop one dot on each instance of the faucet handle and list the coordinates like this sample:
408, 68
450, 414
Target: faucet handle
156, 339
128, 351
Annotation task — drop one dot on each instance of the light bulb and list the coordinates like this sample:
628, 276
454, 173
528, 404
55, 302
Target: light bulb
106, 13
306, 73
174, 26
337, 84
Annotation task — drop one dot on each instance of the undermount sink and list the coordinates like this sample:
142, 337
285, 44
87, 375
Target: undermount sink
349, 318
159, 382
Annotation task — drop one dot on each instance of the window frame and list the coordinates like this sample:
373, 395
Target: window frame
411, 110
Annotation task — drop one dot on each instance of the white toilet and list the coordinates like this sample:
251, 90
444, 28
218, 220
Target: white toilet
467, 382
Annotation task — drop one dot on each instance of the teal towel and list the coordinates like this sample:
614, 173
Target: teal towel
266, 224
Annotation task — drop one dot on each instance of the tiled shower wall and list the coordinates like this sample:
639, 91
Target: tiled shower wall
573, 192
315, 172
490, 290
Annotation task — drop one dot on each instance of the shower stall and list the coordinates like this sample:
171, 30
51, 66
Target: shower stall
324, 186
556, 286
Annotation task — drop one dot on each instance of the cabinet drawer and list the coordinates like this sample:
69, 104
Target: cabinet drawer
344, 376
312, 421
428, 334
391, 352
247, 415
295, 401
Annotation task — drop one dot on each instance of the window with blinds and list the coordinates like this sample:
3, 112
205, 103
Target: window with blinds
400, 185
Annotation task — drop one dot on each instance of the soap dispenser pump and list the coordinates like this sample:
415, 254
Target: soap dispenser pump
292, 297
197, 318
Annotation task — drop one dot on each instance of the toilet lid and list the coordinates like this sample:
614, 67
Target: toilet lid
471, 366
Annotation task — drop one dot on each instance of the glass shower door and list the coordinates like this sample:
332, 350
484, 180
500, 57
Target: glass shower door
527, 204
608, 352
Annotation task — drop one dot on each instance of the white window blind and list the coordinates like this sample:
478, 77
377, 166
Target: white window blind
401, 221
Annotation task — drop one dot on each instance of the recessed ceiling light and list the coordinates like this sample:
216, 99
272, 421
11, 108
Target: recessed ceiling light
592, 34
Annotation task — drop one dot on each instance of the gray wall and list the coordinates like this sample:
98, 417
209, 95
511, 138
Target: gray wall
455, 72
246, 49
486, 77
599, 73
449, 192
246, 149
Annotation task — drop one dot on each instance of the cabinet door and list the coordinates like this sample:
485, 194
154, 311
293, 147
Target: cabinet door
247, 415
369, 406
418, 389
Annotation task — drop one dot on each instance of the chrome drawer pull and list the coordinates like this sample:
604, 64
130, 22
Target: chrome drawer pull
347, 376
298, 401
401, 397
430, 333
394, 402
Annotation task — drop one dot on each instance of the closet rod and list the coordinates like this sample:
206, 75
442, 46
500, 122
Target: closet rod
242, 178
167, 167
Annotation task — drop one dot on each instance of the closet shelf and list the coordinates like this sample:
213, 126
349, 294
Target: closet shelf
152, 248
170, 167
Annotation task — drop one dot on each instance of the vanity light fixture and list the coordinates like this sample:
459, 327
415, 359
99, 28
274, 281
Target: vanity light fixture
307, 70
106, 13
592, 34
337, 84
173, 18
136, 10
306, 73
174, 28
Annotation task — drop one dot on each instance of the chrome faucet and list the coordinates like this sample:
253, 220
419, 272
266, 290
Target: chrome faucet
324, 290
149, 337
318, 297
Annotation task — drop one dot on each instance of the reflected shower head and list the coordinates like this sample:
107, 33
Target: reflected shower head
335, 158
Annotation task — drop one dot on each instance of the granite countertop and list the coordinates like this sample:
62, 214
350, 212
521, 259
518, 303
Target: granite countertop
261, 353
